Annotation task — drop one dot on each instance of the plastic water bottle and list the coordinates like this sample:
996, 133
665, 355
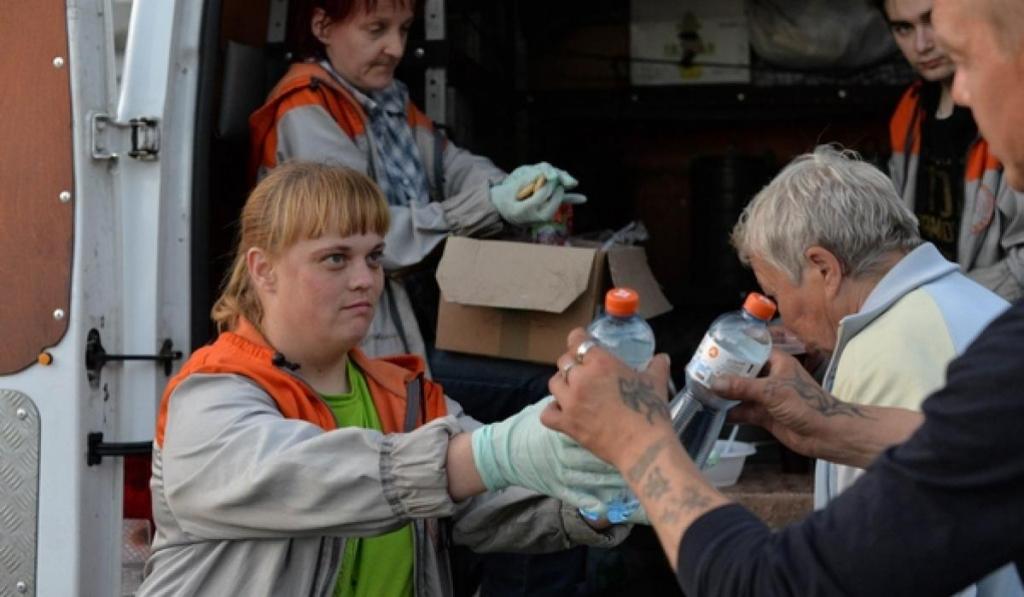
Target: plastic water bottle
626, 335
737, 343
621, 331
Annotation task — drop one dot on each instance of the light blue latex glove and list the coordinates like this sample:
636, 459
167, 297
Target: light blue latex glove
521, 451
543, 203
639, 516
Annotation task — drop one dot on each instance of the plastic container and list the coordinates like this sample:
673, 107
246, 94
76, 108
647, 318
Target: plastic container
727, 467
626, 335
737, 343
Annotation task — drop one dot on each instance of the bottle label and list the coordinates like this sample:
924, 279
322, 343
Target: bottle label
712, 360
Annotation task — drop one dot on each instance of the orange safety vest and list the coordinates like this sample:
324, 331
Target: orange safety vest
306, 84
905, 137
245, 352
983, 181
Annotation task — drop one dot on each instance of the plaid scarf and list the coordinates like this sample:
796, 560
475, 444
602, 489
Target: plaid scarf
400, 173
404, 180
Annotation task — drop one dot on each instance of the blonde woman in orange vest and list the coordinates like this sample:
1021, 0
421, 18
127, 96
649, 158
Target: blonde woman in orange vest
342, 105
944, 169
287, 462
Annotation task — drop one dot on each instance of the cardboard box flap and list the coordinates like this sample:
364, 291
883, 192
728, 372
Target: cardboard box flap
628, 267
492, 274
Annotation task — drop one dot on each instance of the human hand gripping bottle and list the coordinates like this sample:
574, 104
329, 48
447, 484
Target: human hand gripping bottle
737, 343
622, 332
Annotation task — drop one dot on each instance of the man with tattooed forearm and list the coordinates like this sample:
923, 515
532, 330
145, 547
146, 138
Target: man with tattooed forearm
931, 514
832, 243
623, 419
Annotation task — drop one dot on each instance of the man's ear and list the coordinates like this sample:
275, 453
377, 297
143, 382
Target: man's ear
261, 270
320, 25
826, 267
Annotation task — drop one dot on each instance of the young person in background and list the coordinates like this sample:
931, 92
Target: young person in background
944, 169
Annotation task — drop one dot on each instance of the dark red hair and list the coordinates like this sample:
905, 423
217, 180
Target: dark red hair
301, 40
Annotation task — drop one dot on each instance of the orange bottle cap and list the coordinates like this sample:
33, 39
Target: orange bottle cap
621, 302
759, 306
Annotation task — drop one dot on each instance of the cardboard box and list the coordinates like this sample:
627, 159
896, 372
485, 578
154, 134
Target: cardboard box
520, 300
709, 35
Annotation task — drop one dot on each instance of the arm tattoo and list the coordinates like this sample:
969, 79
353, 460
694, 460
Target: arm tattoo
640, 396
692, 499
657, 488
656, 484
816, 397
636, 472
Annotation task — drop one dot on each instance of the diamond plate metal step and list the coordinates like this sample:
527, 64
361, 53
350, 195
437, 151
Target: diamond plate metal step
19, 493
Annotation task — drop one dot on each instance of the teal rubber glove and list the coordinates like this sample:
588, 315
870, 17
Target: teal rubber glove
515, 206
522, 451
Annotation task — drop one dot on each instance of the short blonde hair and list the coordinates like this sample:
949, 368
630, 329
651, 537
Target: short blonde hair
296, 201
828, 198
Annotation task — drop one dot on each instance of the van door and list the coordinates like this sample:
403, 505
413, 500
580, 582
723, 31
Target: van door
95, 167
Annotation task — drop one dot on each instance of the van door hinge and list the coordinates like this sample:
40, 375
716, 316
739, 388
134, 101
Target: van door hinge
110, 138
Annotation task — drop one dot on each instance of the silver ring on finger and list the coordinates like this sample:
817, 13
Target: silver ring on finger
565, 372
584, 348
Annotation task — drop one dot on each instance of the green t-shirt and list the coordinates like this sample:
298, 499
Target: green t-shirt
378, 566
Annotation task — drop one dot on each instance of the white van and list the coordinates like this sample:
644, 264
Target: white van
96, 257
119, 176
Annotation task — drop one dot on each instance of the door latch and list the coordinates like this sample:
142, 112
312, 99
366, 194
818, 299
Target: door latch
96, 356
97, 449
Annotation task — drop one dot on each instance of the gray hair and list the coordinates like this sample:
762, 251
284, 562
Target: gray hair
832, 199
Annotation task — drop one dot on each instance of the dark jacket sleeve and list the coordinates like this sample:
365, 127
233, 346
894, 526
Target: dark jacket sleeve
931, 515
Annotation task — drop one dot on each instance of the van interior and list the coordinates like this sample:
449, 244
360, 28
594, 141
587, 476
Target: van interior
531, 81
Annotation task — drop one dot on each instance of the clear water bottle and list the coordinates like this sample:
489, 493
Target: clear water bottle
737, 343
621, 331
